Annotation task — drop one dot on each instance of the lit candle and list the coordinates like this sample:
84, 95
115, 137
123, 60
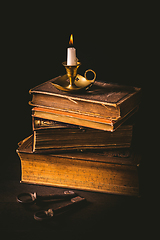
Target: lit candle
71, 53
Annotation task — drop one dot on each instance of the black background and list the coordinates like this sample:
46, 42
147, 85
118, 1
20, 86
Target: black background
115, 41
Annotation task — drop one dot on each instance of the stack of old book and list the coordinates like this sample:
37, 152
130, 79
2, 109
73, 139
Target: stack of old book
82, 140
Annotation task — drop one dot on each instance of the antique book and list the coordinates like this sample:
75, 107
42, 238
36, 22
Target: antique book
108, 171
51, 136
103, 100
81, 120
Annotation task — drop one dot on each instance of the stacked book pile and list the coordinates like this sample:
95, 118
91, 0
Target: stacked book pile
82, 140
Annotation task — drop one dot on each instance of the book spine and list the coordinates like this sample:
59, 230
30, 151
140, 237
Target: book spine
39, 123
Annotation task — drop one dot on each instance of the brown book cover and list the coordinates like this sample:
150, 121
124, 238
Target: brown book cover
104, 100
51, 136
109, 171
81, 120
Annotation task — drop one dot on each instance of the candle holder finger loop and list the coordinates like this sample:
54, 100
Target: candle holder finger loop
90, 70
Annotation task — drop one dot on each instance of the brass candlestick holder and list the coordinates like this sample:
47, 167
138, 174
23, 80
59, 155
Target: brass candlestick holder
72, 81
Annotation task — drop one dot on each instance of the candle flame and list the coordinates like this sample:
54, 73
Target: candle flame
71, 40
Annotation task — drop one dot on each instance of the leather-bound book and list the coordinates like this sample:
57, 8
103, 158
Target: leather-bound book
51, 136
81, 120
105, 171
103, 102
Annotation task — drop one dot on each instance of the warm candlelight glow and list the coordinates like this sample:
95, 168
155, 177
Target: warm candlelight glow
71, 40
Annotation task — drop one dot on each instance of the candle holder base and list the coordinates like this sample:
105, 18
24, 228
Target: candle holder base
72, 81
80, 83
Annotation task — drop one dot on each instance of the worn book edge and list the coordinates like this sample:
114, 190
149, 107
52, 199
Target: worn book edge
73, 98
92, 122
119, 156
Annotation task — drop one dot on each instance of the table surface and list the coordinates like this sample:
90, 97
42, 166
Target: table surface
102, 214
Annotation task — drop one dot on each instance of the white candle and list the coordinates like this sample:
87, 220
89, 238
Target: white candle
71, 56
